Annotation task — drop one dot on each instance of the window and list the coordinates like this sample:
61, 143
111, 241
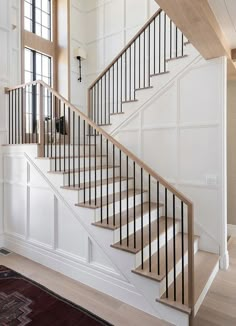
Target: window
38, 18
37, 66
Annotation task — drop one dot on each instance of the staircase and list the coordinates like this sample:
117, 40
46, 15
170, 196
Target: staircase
151, 223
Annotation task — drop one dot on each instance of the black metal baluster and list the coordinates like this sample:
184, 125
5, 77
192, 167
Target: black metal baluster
149, 57
165, 42
9, 117
114, 197
97, 121
139, 57
89, 128
182, 249
73, 127
120, 162
127, 198
12, 116
15, 116
159, 43
18, 113
79, 156
170, 38
101, 178
60, 131
117, 86
130, 71
109, 96
113, 88
69, 140
182, 44
166, 243
154, 46
142, 217
105, 98
176, 42
121, 83
158, 227
150, 223
174, 248
107, 183
95, 163
101, 122
84, 136
134, 69
64, 131
144, 58
55, 131
134, 172
125, 83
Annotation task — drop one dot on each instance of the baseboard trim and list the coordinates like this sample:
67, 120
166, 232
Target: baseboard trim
231, 230
109, 285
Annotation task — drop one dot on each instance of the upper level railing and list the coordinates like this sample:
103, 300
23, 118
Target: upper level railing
38, 114
146, 55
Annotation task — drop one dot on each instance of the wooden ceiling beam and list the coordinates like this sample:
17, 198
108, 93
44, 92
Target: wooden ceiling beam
233, 55
198, 23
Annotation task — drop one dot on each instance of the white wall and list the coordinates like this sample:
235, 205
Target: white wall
231, 152
103, 28
9, 67
180, 133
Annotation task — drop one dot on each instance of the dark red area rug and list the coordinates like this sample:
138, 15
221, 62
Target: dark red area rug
25, 302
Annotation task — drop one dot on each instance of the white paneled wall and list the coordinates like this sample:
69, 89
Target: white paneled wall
180, 133
9, 68
103, 28
41, 227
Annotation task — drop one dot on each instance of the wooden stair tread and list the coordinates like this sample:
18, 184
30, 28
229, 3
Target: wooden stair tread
154, 259
130, 248
92, 168
104, 201
110, 225
98, 183
204, 264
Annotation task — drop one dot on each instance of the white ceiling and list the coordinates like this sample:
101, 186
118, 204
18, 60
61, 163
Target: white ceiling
225, 12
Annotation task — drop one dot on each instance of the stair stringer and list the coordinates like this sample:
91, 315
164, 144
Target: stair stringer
146, 290
175, 67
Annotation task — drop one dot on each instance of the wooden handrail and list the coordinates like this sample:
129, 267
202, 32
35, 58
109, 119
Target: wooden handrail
125, 48
133, 157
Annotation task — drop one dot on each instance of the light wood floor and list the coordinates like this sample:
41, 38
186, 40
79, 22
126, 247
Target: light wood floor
110, 309
219, 306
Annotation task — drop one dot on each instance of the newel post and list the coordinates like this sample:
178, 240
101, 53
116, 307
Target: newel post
41, 123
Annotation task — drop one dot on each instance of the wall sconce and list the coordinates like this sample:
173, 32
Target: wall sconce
80, 54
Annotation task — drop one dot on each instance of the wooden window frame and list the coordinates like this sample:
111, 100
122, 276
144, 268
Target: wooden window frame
39, 44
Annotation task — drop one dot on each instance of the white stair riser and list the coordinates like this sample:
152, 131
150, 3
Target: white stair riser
116, 205
162, 287
154, 244
68, 150
104, 189
76, 163
131, 226
84, 176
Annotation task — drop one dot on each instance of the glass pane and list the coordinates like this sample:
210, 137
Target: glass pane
45, 5
28, 60
45, 70
38, 4
28, 25
28, 77
45, 20
45, 33
28, 10
38, 63
38, 16
38, 30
